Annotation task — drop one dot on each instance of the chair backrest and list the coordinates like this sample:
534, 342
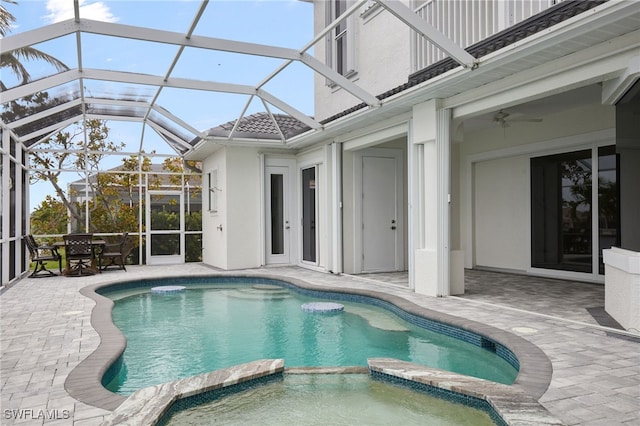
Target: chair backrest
123, 239
31, 245
78, 244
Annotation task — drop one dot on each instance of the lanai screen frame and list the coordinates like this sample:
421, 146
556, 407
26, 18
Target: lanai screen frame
21, 136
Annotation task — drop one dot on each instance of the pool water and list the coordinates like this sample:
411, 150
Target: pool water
335, 399
172, 336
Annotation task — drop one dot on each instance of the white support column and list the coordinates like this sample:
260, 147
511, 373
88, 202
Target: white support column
336, 207
263, 206
17, 211
431, 128
4, 205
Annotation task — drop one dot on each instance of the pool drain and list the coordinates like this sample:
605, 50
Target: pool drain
322, 307
167, 289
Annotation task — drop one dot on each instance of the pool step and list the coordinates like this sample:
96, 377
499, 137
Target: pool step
376, 319
253, 293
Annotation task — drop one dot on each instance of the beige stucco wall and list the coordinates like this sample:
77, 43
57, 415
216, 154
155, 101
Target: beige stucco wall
382, 61
214, 241
237, 244
501, 212
243, 198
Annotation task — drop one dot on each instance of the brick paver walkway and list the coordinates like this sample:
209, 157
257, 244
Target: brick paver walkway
46, 332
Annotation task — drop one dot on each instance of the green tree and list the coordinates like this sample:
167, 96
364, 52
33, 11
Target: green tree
46, 218
69, 150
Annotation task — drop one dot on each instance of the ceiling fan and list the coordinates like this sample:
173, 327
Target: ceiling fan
503, 118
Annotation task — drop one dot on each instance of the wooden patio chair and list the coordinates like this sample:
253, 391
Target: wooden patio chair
41, 254
80, 254
115, 254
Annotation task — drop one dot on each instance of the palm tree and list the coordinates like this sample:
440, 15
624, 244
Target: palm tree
13, 59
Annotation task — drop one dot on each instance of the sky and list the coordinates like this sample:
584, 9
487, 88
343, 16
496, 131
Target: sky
283, 23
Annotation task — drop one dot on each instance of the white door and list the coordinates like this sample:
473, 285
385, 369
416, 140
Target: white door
382, 224
277, 220
165, 228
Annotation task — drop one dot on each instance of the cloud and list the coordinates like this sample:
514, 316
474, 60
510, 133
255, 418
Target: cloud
60, 10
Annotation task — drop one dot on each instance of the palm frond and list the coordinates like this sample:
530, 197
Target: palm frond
8, 60
31, 54
6, 19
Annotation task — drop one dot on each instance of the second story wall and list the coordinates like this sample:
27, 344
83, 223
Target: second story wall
375, 55
376, 51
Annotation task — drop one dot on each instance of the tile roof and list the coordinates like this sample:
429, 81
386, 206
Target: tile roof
261, 126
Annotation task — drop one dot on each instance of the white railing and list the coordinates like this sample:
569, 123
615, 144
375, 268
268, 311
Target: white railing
467, 22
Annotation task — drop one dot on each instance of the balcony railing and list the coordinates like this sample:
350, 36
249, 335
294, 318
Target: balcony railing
468, 21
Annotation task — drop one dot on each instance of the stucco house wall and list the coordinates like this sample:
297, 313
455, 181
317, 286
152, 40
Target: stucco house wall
378, 32
233, 231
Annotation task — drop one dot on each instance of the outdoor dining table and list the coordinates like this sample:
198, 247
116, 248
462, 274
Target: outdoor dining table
95, 243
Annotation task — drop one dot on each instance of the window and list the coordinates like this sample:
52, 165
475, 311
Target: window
563, 214
340, 41
213, 190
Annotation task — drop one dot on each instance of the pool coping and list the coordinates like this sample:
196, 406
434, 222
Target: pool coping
506, 405
84, 382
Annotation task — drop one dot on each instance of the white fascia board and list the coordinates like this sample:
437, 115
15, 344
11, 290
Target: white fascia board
43, 114
613, 90
339, 79
288, 109
179, 39
582, 68
409, 17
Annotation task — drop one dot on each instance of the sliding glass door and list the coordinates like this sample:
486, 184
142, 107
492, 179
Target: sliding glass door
570, 224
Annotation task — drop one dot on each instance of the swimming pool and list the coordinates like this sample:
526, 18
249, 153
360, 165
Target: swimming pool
218, 322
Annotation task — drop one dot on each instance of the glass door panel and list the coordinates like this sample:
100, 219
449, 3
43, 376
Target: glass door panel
165, 216
561, 212
277, 215
608, 195
309, 214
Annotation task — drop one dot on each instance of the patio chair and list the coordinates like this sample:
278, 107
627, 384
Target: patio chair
115, 254
80, 254
41, 254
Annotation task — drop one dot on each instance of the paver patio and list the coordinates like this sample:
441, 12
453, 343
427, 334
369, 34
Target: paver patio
46, 332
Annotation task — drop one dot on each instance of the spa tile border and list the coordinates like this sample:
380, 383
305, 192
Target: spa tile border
155, 404
85, 382
505, 405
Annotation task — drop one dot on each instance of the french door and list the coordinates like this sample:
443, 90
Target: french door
278, 215
165, 227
